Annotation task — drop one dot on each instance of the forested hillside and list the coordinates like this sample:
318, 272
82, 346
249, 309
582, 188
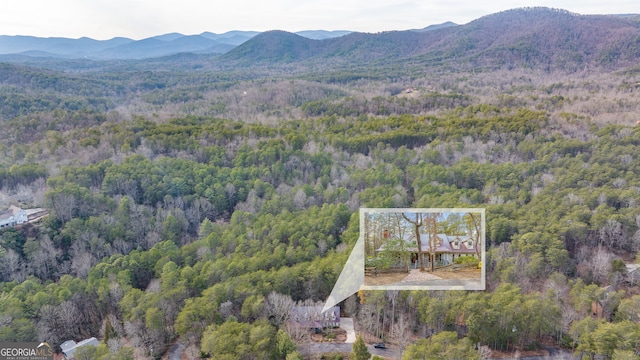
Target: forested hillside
197, 203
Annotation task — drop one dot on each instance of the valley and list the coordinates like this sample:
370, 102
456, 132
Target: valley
199, 198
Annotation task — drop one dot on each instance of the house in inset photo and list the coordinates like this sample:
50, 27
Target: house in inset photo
424, 247
447, 249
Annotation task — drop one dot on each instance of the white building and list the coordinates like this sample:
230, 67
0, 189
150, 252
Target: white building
12, 217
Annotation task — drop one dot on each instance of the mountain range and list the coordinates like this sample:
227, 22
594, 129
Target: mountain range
125, 48
532, 37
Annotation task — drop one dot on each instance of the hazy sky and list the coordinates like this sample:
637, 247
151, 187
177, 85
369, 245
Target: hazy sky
137, 19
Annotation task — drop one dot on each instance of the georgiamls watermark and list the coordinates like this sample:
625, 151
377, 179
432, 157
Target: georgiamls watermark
25, 351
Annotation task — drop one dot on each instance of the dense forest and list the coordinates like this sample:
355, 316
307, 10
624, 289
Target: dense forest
195, 204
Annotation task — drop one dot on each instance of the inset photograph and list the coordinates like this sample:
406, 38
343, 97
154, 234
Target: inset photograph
423, 249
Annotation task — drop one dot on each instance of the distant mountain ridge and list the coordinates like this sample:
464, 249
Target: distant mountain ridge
437, 26
125, 48
532, 37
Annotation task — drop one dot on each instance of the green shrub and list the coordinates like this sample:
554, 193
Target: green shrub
467, 260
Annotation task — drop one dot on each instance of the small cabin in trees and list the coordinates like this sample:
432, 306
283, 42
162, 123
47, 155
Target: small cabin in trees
12, 216
633, 274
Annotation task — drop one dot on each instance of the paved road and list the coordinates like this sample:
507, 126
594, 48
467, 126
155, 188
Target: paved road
175, 353
321, 348
554, 354
386, 353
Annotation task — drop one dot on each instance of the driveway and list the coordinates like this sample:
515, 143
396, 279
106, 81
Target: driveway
175, 353
554, 354
347, 325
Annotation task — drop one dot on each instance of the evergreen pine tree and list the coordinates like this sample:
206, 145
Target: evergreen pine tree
360, 351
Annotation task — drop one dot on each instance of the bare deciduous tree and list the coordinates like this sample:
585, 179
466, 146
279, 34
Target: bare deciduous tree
226, 309
610, 233
278, 308
63, 206
417, 222
43, 262
601, 263
14, 266
81, 264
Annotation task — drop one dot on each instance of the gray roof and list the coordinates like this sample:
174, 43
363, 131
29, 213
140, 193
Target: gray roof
69, 347
11, 211
448, 244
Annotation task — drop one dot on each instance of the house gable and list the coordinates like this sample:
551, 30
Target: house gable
12, 216
445, 244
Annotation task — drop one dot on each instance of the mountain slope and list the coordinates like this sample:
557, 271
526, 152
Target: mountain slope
322, 34
437, 26
274, 47
279, 46
540, 37
546, 37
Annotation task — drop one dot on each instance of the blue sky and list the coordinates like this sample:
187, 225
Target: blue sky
137, 19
